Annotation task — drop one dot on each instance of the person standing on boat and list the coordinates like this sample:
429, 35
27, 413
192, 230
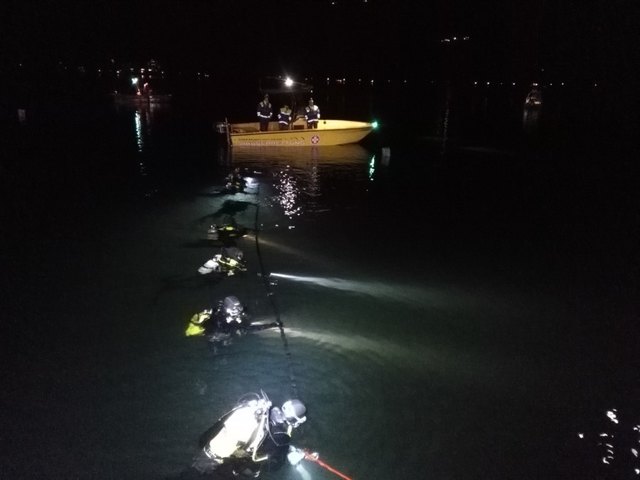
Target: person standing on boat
284, 117
264, 113
312, 114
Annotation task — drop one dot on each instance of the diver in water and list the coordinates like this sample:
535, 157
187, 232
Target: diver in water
225, 231
229, 318
253, 436
234, 181
229, 261
198, 323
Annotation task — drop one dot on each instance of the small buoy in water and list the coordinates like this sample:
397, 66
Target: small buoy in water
386, 155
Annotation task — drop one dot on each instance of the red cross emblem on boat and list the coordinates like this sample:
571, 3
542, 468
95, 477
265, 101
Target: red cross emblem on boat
315, 139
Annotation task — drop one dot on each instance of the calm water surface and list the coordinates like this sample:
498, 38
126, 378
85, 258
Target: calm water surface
459, 296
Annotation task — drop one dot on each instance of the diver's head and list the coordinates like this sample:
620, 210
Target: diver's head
232, 305
294, 411
232, 252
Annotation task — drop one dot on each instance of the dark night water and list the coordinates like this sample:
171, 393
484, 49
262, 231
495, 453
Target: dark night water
463, 308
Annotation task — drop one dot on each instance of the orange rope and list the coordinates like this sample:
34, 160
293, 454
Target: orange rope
314, 458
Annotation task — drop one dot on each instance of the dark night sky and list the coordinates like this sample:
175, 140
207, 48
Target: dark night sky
385, 36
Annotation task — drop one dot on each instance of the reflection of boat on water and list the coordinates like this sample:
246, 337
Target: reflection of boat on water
134, 99
295, 156
299, 176
328, 133
530, 120
532, 109
533, 98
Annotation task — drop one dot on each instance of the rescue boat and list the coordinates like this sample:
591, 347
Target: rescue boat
329, 132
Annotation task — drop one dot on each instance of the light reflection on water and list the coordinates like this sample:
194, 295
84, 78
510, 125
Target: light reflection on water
302, 174
280, 247
616, 444
303, 157
364, 378
137, 118
288, 193
381, 353
144, 116
341, 355
386, 291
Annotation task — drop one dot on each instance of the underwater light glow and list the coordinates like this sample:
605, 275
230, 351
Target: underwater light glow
280, 247
251, 182
397, 292
295, 456
303, 472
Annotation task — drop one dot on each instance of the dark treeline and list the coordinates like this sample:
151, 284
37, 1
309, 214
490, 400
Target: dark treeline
380, 37
52, 47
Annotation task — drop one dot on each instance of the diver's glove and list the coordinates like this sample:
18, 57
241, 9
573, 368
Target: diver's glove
295, 455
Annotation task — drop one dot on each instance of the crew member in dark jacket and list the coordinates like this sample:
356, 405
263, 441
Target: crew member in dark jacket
264, 113
312, 114
284, 117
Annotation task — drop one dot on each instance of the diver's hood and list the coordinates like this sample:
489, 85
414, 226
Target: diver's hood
233, 252
232, 305
294, 412
251, 183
